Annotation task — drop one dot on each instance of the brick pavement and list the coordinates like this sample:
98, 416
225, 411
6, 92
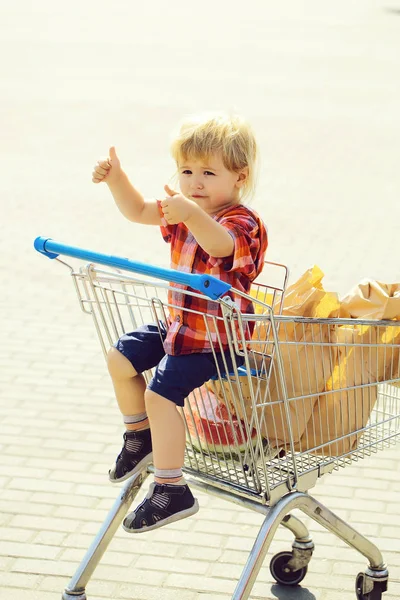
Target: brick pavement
323, 96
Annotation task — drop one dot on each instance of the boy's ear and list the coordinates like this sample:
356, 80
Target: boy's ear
242, 176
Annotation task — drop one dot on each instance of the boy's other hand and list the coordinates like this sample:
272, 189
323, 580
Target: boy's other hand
176, 208
107, 169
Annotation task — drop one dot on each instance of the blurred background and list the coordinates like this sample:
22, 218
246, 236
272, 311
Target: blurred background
317, 80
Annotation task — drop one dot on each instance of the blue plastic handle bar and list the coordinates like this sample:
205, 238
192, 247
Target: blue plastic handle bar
210, 286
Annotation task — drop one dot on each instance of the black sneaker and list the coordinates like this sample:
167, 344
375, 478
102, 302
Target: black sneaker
135, 455
163, 504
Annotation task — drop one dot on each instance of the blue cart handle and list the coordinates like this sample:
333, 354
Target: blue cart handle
210, 286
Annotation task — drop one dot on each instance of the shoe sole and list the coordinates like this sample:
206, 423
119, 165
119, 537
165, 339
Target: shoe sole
172, 519
147, 460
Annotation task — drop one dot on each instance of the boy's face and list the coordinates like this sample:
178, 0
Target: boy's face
209, 183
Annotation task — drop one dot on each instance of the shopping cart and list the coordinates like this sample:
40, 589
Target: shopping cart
313, 395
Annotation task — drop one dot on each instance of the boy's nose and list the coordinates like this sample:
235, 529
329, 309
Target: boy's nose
197, 184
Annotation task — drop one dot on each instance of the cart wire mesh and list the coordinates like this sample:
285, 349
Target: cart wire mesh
313, 395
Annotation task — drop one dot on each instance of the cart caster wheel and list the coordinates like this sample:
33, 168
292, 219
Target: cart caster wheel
69, 596
375, 593
282, 573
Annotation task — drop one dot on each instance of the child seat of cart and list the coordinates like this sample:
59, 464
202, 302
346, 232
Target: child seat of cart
241, 371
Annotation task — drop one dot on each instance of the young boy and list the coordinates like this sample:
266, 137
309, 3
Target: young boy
210, 231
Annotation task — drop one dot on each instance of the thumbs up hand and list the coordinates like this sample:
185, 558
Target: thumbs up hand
176, 207
107, 169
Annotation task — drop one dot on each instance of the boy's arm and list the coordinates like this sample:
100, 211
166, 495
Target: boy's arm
128, 199
132, 204
209, 234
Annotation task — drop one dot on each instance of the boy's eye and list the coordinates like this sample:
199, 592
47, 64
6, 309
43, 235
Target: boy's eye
189, 172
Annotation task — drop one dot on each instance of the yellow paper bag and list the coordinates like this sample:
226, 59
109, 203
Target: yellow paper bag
307, 362
372, 300
366, 356
321, 358
307, 359
307, 297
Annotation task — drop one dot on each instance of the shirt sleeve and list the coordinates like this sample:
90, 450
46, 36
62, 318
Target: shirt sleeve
167, 231
250, 241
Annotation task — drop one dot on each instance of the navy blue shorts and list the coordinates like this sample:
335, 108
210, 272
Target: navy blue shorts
175, 376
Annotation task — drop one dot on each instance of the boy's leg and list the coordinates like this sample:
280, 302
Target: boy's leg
169, 498
169, 437
144, 349
129, 387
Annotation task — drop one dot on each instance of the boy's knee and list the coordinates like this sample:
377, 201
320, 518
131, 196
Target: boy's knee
118, 365
153, 401
157, 404
150, 397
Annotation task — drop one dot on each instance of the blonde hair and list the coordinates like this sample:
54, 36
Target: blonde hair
229, 135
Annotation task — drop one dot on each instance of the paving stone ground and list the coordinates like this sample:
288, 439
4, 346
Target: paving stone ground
319, 81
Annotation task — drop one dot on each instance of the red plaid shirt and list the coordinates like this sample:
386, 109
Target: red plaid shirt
187, 332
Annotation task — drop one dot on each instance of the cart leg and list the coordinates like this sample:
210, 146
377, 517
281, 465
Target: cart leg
273, 519
302, 547
298, 528
76, 587
256, 558
377, 571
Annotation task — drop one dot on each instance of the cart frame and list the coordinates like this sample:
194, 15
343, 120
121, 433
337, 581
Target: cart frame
272, 485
